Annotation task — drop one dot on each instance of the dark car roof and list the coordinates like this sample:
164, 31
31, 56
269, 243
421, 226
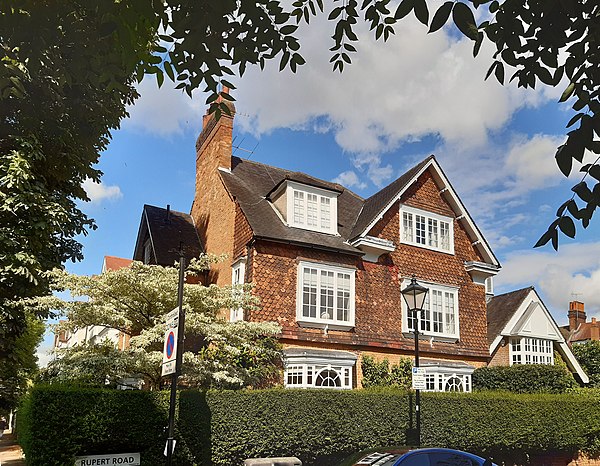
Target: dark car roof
390, 459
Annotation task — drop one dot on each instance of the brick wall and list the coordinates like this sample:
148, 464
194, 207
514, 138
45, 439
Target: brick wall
378, 315
501, 356
213, 210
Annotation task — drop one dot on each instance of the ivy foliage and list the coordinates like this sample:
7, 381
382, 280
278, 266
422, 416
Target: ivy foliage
379, 373
524, 378
588, 355
135, 300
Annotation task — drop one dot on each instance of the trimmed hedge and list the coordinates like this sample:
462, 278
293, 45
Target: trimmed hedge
524, 378
319, 426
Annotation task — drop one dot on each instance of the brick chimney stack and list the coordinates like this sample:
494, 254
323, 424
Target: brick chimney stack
576, 315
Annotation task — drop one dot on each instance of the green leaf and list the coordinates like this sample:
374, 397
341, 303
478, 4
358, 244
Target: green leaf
441, 16
288, 29
564, 160
421, 11
567, 226
405, 7
169, 71
545, 238
464, 20
568, 92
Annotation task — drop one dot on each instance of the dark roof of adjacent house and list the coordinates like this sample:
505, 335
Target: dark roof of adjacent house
378, 202
501, 308
167, 229
250, 183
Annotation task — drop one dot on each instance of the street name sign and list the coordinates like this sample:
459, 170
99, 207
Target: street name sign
418, 378
131, 459
170, 347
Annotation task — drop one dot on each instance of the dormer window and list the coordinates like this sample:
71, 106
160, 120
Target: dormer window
307, 207
426, 230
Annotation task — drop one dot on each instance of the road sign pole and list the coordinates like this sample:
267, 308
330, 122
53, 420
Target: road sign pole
178, 356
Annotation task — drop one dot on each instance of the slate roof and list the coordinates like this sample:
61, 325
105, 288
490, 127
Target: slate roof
167, 228
377, 203
250, 183
501, 308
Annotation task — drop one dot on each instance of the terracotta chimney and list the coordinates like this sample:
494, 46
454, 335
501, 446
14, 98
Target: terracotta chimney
594, 330
576, 314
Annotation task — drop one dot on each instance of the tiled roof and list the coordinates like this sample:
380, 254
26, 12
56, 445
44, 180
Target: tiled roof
251, 182
115, 263
377, 203
501, 308
168, 229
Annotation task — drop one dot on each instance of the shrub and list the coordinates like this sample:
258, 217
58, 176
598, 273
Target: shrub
524, 378
379, 374
588, 355
319, 426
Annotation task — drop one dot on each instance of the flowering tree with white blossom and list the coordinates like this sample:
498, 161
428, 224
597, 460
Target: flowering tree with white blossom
135, 300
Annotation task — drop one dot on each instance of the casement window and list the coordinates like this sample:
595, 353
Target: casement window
325, 296
312, 208
426, 229
525, 350
440, 313
238, 270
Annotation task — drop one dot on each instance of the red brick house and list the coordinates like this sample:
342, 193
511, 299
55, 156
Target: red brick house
328, 266
521, 330
579, 329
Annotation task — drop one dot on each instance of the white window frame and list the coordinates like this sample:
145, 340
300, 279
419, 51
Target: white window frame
318, 321
238, 277
428, 236
528, 350
316, 211
449, 301
308, 375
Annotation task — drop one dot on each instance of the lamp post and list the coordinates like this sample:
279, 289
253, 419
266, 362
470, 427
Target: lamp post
414, 296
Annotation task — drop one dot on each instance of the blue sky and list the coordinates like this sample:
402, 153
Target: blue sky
399, 102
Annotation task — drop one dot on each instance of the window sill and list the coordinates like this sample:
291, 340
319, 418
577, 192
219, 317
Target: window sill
431, 338
329, 325
429, 248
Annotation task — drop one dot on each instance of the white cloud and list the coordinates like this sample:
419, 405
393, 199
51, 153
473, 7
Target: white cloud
349, 179
413, 85
98, 192
574, 269
165, 111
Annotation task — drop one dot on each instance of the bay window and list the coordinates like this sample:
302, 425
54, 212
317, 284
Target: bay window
525, 350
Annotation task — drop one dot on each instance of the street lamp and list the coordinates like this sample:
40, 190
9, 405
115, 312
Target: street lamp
414, 296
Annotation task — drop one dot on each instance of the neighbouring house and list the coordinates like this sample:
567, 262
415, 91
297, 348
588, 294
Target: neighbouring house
96, 333
521, 330
328, 266
579, 330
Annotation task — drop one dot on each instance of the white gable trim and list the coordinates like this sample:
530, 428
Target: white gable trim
457, 206
514, 326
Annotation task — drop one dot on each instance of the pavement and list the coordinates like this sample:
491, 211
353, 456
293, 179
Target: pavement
10, 453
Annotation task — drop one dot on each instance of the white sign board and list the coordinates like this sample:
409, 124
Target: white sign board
108, 460
418, 378
170, 346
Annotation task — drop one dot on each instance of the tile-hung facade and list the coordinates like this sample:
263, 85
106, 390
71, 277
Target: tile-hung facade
328, 266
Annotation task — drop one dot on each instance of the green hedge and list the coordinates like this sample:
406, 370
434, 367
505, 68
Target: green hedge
319, 426
55, 424
524, 378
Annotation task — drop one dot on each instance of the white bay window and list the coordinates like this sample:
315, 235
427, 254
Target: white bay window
525, 350
426, 229
325, 296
